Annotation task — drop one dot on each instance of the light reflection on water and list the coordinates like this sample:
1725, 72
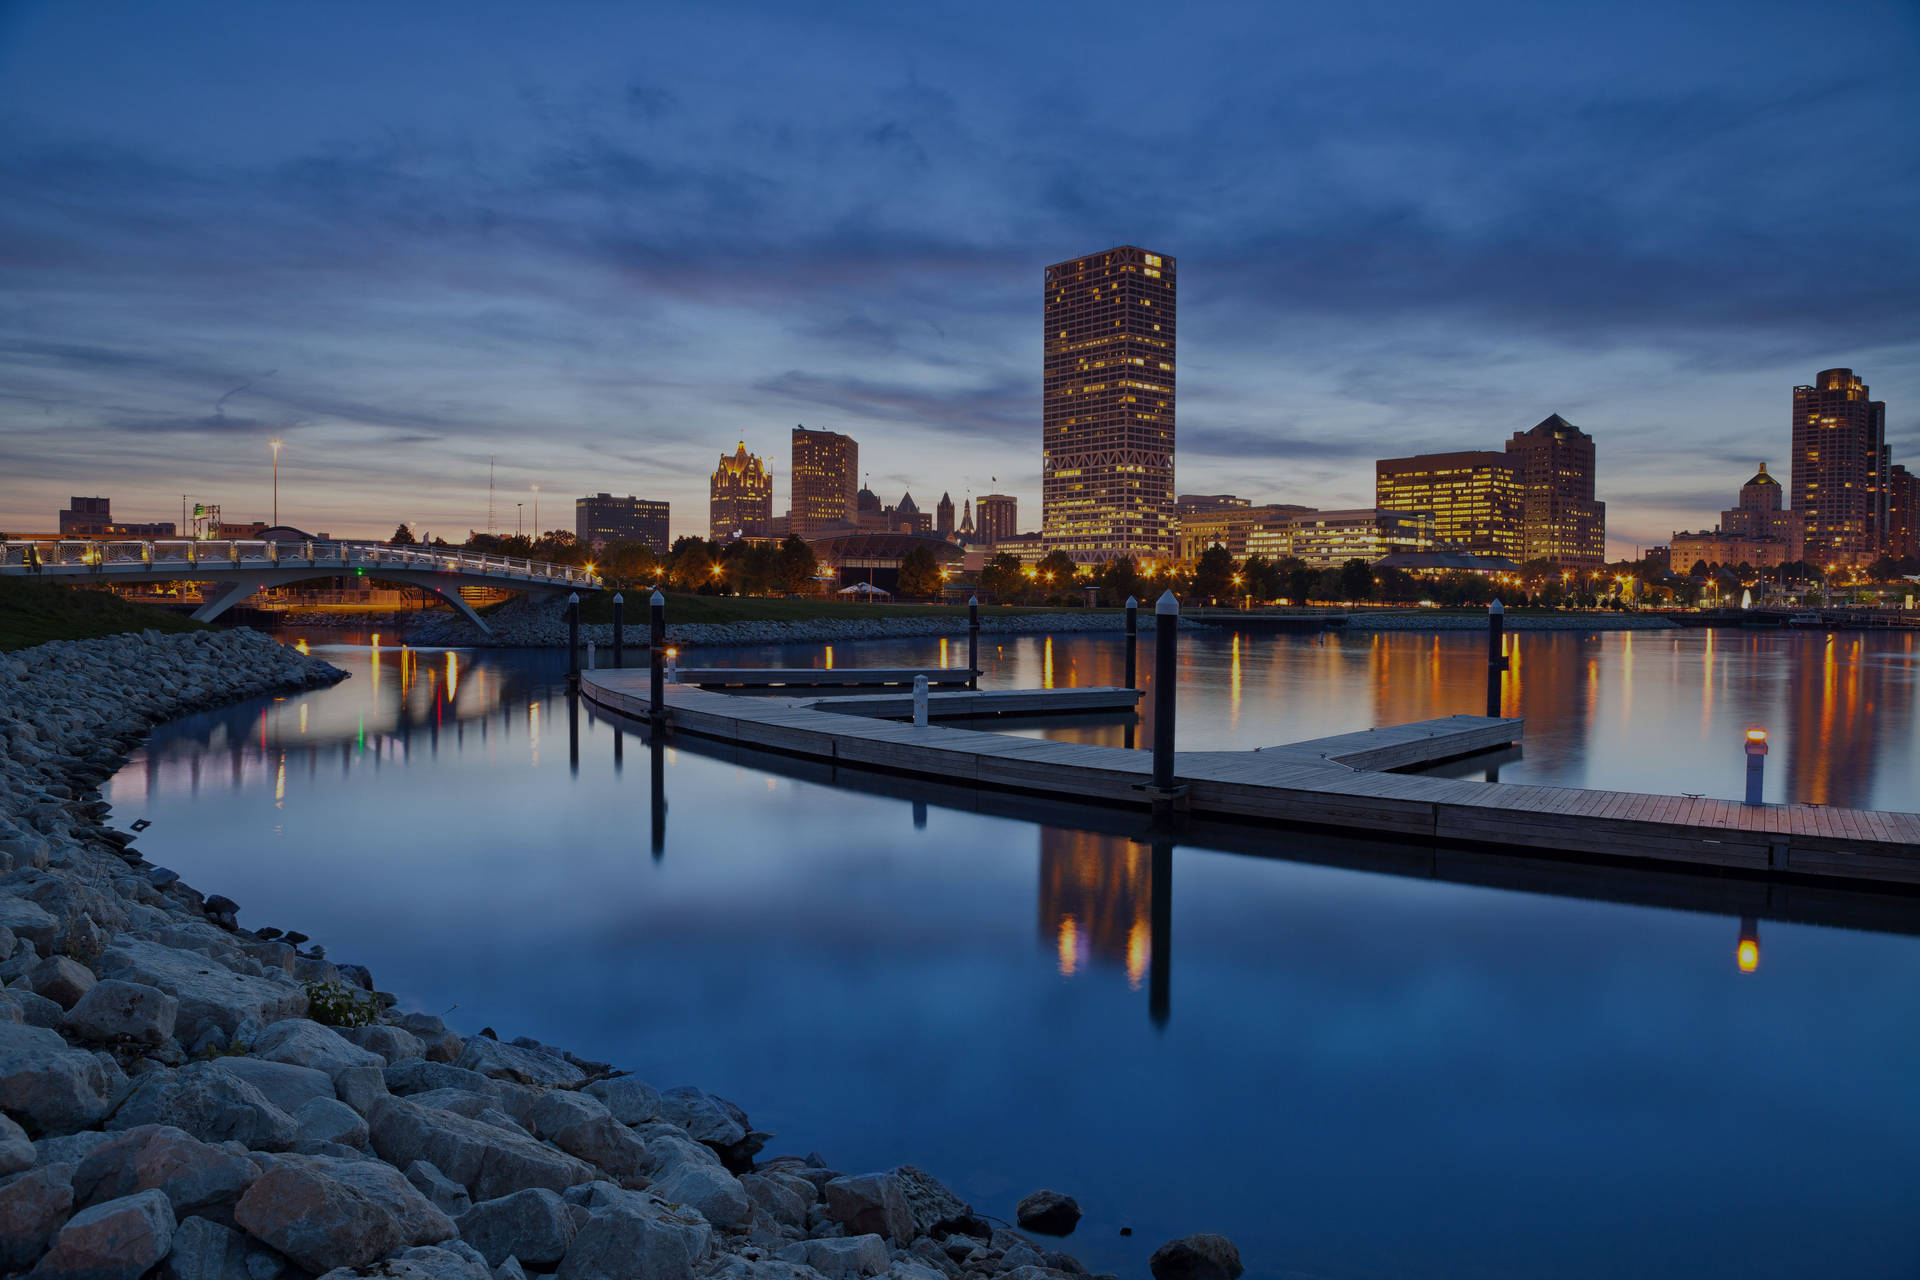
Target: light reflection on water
1355, 1058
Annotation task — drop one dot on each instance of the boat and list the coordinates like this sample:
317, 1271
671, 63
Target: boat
1808, 621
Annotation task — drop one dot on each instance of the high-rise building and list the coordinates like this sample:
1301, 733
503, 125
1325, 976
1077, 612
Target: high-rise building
1107, 413
1903, 513
1474, 497
1559, 519
1759, 532
739, 497
999, 517
825, 480
943, 516
1840, 466
602, 518
93, 518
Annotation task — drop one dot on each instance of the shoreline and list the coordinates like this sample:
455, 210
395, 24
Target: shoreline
240, 1106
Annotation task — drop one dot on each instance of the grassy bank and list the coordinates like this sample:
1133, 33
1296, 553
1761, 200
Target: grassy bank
691, 608
35, 612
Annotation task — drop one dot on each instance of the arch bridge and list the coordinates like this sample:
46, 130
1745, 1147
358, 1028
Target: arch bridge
239, 568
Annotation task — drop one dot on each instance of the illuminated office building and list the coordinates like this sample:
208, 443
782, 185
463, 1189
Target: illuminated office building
1840, 467
1474, 497
1107, 414
739, 497
824, 475
603, 518
999, 518
1559, 519
1903, 513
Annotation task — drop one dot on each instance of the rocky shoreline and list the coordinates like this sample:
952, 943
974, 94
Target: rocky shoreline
192, 1100
1370, 622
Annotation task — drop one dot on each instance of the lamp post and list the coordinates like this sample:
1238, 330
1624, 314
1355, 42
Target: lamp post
276, 482
536, 513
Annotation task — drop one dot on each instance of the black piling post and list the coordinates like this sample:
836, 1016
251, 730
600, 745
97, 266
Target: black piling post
619, 631
573, 733
1496, 655
657, 749
657, 642
1133, 642
1166, 640
1160, 956
973, 642
573, 637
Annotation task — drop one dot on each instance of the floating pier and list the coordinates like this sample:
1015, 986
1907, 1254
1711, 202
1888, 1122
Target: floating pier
1341, 783
817, 677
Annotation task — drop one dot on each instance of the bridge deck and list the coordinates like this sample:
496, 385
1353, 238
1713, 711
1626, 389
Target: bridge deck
1317, 784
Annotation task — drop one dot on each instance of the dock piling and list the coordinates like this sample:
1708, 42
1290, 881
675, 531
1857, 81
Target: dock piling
973, 641
590, 655
1133, 641
1496, 655
920, 702
1166, 638
657, 652
1756, 763
619, 631
573, 637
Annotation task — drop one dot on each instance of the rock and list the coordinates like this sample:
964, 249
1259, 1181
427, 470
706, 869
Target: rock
489, 1162
688, 1173
70, 1148
29, 920
582, 1126
16, 1149
324, 1212
211, 1104
846, 1258
417, 1075
358, 1075
36, 1010
447, 1195
330, 1120
442, 1045
61, 980
532, 1225
1197, 1257
513, 1062
205, 1250
117, 1240
621, 1244
391, 1043
115, 1011
424, 1262
871, 1204
706, 1118
785, 1197
32, 1207
193, 1175
49, 1086
936, 1210
210, 994
630, 1099
284, 1085
1048, 1212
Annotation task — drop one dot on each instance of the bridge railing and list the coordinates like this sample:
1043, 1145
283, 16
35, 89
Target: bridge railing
159, 556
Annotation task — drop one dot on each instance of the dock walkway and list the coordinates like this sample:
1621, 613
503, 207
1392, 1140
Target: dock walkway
1336, 782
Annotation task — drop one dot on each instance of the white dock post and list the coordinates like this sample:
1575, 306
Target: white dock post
920, 702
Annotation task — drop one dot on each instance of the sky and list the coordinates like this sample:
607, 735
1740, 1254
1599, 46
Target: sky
591, 247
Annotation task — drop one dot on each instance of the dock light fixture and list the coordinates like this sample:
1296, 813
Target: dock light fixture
1756, 763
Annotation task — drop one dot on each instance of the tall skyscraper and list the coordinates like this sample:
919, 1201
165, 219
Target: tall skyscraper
943, 516
1107, 413
999, 517
1903, 513
603, 518
1840, 467
1559, 519
1474, 497
826, 467
739, 497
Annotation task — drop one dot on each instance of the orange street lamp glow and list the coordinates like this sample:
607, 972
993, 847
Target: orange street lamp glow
1748, 955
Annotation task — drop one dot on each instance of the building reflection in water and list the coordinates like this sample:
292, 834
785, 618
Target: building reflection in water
1106, 904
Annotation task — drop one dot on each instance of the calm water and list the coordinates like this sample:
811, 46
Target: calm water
1357, 1059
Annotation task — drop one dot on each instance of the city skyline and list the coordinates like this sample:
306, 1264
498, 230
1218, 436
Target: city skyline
452, 266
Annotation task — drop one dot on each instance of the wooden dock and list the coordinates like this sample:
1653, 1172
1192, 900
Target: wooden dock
814, 677
1335, 783
970, 704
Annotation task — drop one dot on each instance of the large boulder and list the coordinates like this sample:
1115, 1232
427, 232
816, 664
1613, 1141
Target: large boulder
358, 1074
331, 1120
284, 1085
447, 1195
16, 1149
211, 1104
582, 1126
325, 1212
117, 1240
29, 920
32, 1207
205, 1250
630, 1099
787, 1198
513, 1062
115, 1011
48, 1085
488, 1161
61, 979
845, 1258
628, 1244
871, 1204
1048, 1212
688, 1173
937, 1212
534, 1226
210, 994
706, 1117
1204, 1256
193, 1175
418, 1075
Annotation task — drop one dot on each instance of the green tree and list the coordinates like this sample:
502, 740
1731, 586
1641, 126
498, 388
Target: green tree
402, 537
1055, 572
1261, 578
1885, 569
1356, 580
1003, 578
1302, 583
1213, 573
798, 565
625, 563
920, 575
1117, 579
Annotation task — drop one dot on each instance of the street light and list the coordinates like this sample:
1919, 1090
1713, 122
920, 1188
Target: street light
519, 526
536, 511
276, 482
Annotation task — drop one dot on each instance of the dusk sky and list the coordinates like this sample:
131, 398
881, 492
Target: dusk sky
605, 242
